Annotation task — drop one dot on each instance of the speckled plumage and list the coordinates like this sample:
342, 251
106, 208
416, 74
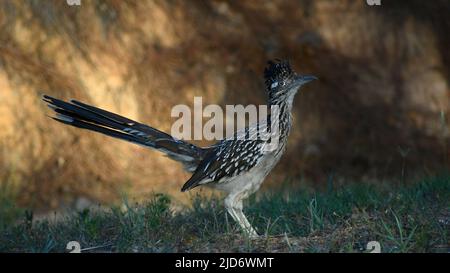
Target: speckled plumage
235, 165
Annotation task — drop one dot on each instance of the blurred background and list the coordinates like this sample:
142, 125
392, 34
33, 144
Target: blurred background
379, 112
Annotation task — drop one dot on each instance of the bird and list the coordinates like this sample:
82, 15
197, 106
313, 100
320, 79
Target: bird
236, 165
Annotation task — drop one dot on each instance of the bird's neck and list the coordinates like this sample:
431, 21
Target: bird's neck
283, 112
283, 101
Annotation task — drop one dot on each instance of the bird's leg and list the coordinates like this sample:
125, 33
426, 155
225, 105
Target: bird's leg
248, 227
234, 207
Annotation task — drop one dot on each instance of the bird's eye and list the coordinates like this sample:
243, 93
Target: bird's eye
275, 84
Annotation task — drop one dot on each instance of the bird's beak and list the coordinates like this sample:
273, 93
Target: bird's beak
301, 80
307, 78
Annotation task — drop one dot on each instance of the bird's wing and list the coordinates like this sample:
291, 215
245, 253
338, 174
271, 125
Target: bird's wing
226, 160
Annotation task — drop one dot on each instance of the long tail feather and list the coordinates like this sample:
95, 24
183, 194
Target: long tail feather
88, 117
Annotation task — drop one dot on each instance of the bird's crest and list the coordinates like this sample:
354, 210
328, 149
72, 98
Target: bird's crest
276, 73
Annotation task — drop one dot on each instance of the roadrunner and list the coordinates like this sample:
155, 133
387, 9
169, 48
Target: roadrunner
236, 165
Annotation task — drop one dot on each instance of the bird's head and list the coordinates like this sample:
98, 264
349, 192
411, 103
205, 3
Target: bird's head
282, 82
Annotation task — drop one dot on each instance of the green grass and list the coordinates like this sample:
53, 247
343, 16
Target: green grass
414, 218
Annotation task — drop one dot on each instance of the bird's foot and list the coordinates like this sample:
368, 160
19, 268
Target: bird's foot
252, 234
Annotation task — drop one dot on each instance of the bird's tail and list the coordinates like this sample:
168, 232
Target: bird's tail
88, 117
